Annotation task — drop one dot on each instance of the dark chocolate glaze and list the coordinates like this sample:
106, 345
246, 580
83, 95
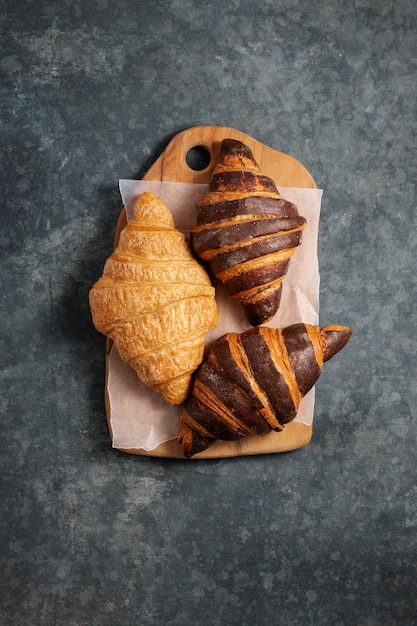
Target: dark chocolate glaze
267, 376
236, 148
225, 359
336, 339
302, 356
199, 443
263, 309
223, 386
225, 246
220, 236
231, 383
253, 205
235, 256
256, 277
242, 182
210, 420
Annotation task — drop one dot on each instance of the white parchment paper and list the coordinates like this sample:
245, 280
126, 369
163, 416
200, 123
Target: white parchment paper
139, 417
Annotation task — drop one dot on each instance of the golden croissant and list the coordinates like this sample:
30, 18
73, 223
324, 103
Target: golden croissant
253, 382
246, 232
155, 301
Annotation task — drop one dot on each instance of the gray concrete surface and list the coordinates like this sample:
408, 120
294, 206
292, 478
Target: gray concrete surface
92, 92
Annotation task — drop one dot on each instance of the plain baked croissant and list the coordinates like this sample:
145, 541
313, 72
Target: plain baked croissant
246, 232
155, 301
253, 382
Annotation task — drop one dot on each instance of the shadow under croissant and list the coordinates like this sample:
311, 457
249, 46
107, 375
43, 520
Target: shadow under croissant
253, 382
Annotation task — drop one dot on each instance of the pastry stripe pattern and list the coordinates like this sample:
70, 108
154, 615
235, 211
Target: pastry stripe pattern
246, 232
260, 375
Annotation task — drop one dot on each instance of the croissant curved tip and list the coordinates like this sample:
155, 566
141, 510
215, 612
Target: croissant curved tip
149, 209
334, 338
264, 309
191, 441
236, 147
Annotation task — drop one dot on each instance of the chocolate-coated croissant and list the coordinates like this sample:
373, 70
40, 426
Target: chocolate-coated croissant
155, 301
246, 232
253, 382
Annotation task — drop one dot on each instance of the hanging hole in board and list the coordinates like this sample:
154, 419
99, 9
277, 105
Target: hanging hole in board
198, 158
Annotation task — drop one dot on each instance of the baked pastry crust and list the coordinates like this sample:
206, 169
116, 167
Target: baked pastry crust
253, 382
246, 232
155, 301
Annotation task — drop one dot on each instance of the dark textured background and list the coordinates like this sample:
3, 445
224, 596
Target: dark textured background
92, 92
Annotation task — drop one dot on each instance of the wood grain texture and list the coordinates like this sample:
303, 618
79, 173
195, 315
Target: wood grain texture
171, 166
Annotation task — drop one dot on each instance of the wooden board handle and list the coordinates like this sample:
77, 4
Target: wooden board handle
172, 165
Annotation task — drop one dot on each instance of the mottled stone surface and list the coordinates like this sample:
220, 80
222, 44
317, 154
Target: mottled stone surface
91, 92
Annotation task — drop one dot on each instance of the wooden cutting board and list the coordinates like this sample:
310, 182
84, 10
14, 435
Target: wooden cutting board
191, 149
